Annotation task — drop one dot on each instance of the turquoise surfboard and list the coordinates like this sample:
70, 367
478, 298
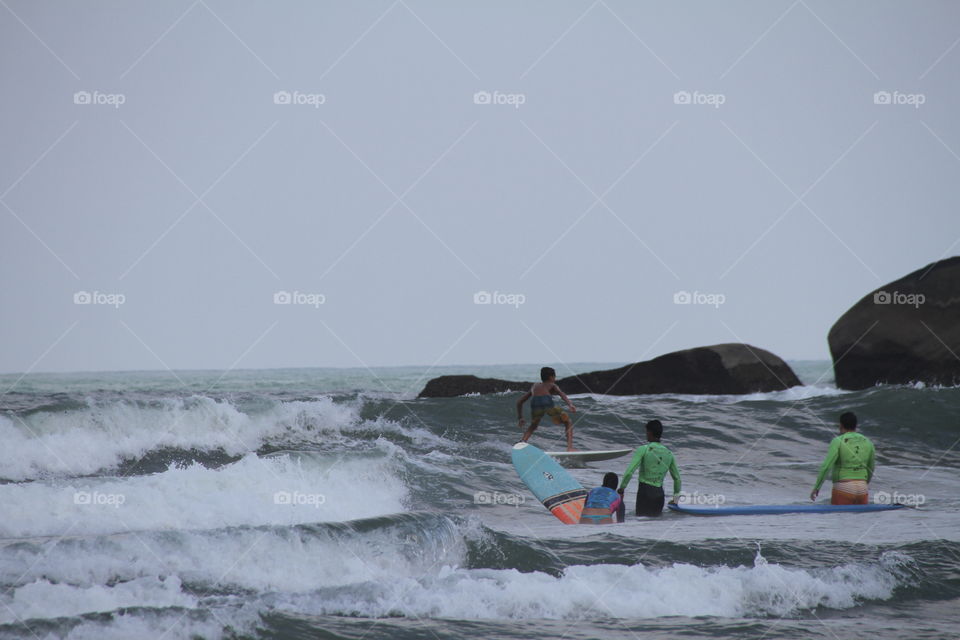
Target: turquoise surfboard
550, 483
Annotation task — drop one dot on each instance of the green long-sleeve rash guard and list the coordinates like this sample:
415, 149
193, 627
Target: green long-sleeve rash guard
851, 456
652, 461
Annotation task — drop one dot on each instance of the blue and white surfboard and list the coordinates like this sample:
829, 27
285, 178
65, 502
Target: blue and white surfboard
550, 483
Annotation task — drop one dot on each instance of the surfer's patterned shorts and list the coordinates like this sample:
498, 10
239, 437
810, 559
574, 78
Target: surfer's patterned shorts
556, 413
849, 492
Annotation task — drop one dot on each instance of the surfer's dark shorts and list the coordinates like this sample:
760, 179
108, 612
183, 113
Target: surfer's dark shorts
649, 500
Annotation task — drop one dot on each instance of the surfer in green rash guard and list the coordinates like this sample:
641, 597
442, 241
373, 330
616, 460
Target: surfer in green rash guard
652, 461
851, 457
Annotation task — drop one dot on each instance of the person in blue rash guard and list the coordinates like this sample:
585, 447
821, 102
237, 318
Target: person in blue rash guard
603, 502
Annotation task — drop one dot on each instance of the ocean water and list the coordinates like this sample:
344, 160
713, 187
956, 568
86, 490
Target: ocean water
323, 503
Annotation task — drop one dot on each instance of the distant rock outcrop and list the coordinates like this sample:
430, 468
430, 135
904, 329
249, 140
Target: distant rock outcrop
905, 331
732, 368
450, 386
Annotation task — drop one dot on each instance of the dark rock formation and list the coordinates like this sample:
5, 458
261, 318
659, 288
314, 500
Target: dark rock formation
731, 368
905, 331
450, 386
719, 369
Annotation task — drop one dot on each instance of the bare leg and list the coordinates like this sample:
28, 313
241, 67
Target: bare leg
569, 424
533, 427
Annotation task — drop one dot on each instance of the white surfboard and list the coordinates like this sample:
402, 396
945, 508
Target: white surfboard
589, 456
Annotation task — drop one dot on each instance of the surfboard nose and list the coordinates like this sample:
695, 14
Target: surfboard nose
521, 445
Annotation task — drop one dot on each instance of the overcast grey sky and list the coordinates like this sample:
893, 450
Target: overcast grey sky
584, 182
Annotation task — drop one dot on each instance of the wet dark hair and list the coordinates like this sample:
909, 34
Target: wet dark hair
546, 372
848, 420
655, 430
610, 480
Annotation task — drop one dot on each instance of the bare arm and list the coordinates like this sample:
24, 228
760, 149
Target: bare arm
563, 396
520, 402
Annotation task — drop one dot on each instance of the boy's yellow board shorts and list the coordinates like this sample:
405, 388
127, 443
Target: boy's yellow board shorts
556, 413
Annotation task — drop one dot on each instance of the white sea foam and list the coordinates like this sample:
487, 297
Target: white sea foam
167, 624
42, 599
276, 490
602, 591
85, 441
412, 567
77, 575
793, 394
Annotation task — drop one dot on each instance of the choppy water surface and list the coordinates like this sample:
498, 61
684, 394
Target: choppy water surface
333, 503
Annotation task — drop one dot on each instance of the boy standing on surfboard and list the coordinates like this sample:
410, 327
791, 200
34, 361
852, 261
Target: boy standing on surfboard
542, 404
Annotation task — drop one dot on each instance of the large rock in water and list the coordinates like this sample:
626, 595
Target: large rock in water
906, 331
731, 368
719, 369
